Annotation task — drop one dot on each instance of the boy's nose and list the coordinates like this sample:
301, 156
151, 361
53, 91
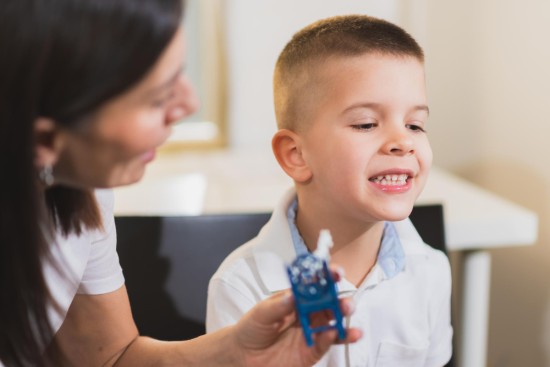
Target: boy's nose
185, 102
399, 143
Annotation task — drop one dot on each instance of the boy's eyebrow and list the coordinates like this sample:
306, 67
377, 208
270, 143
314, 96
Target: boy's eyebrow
371, 105
377, 106
422, 107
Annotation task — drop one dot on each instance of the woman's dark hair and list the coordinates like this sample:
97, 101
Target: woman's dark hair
61, 59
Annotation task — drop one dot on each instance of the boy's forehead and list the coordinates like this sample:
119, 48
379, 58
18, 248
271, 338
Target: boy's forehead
368, 80
370, 68
368, 61
371, 76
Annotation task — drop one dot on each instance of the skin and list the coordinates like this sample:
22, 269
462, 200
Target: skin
368, 119
113, 150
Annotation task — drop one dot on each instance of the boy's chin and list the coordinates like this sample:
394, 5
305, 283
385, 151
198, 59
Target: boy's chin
396, 214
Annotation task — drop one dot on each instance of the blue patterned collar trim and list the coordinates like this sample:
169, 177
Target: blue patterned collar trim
391, 256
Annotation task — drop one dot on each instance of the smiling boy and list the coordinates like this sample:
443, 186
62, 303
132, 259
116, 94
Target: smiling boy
351, 107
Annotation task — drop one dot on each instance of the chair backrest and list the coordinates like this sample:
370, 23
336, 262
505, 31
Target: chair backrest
168, 262
428, 221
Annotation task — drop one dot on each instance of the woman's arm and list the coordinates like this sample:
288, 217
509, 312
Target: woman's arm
99, 331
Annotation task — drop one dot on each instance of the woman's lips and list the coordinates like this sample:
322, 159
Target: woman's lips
148, 156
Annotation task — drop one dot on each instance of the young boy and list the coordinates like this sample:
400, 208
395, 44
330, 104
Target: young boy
351, 108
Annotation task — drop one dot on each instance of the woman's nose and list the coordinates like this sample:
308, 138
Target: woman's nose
185, 101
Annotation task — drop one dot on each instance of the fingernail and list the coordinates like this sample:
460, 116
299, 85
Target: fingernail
286, 298
350, 306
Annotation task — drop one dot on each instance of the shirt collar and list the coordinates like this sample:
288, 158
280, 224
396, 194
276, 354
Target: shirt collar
297, 240
391, 257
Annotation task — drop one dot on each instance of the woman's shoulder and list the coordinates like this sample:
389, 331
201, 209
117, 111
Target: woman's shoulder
105, 200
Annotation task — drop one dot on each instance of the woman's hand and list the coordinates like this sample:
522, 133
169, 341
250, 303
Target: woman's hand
270, 335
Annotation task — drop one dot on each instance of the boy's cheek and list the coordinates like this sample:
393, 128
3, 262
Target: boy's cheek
426, 155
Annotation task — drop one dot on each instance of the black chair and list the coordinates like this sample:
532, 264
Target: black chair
428, 221
168, 262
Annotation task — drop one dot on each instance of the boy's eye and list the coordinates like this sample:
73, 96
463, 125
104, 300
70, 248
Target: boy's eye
365, 127
415, 127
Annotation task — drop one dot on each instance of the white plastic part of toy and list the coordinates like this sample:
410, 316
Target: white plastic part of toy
324, 243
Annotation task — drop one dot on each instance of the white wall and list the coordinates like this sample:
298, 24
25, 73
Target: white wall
489, 87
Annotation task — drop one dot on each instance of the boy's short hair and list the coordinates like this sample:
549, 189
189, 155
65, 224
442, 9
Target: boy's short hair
339, 36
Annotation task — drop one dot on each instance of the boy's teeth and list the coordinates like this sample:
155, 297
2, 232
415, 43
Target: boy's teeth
391, 179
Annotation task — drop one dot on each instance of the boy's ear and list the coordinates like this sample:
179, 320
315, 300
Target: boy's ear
48, 142
287, 147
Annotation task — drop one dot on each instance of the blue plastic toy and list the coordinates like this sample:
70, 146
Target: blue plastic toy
314, 290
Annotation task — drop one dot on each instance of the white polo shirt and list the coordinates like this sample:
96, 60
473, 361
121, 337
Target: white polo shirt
402, 309
89, 262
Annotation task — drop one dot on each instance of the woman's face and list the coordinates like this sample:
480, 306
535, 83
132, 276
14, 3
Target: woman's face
114, 148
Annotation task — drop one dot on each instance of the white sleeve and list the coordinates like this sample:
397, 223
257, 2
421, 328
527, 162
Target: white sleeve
225, 305
103, 273
441, 347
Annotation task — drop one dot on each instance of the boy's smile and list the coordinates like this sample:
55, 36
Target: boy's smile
392, 180
364, 140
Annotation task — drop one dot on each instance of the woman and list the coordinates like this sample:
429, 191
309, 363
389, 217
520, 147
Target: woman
88, 90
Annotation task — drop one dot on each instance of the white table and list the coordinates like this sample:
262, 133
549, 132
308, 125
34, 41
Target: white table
229, 182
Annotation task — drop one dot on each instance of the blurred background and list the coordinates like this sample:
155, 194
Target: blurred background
488, 71
488, 75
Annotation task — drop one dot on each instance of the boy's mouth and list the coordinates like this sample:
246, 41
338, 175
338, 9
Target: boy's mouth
391, 180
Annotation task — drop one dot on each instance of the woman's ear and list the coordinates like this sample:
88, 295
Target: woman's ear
287, 147
47, 142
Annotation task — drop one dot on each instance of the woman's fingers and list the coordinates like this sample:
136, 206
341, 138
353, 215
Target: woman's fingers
337, 272
274, 310
324, 340
347, 306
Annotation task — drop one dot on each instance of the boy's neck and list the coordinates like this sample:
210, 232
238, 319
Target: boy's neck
355, 246
359, 256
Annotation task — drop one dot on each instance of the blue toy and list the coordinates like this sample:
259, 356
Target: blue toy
314, 289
